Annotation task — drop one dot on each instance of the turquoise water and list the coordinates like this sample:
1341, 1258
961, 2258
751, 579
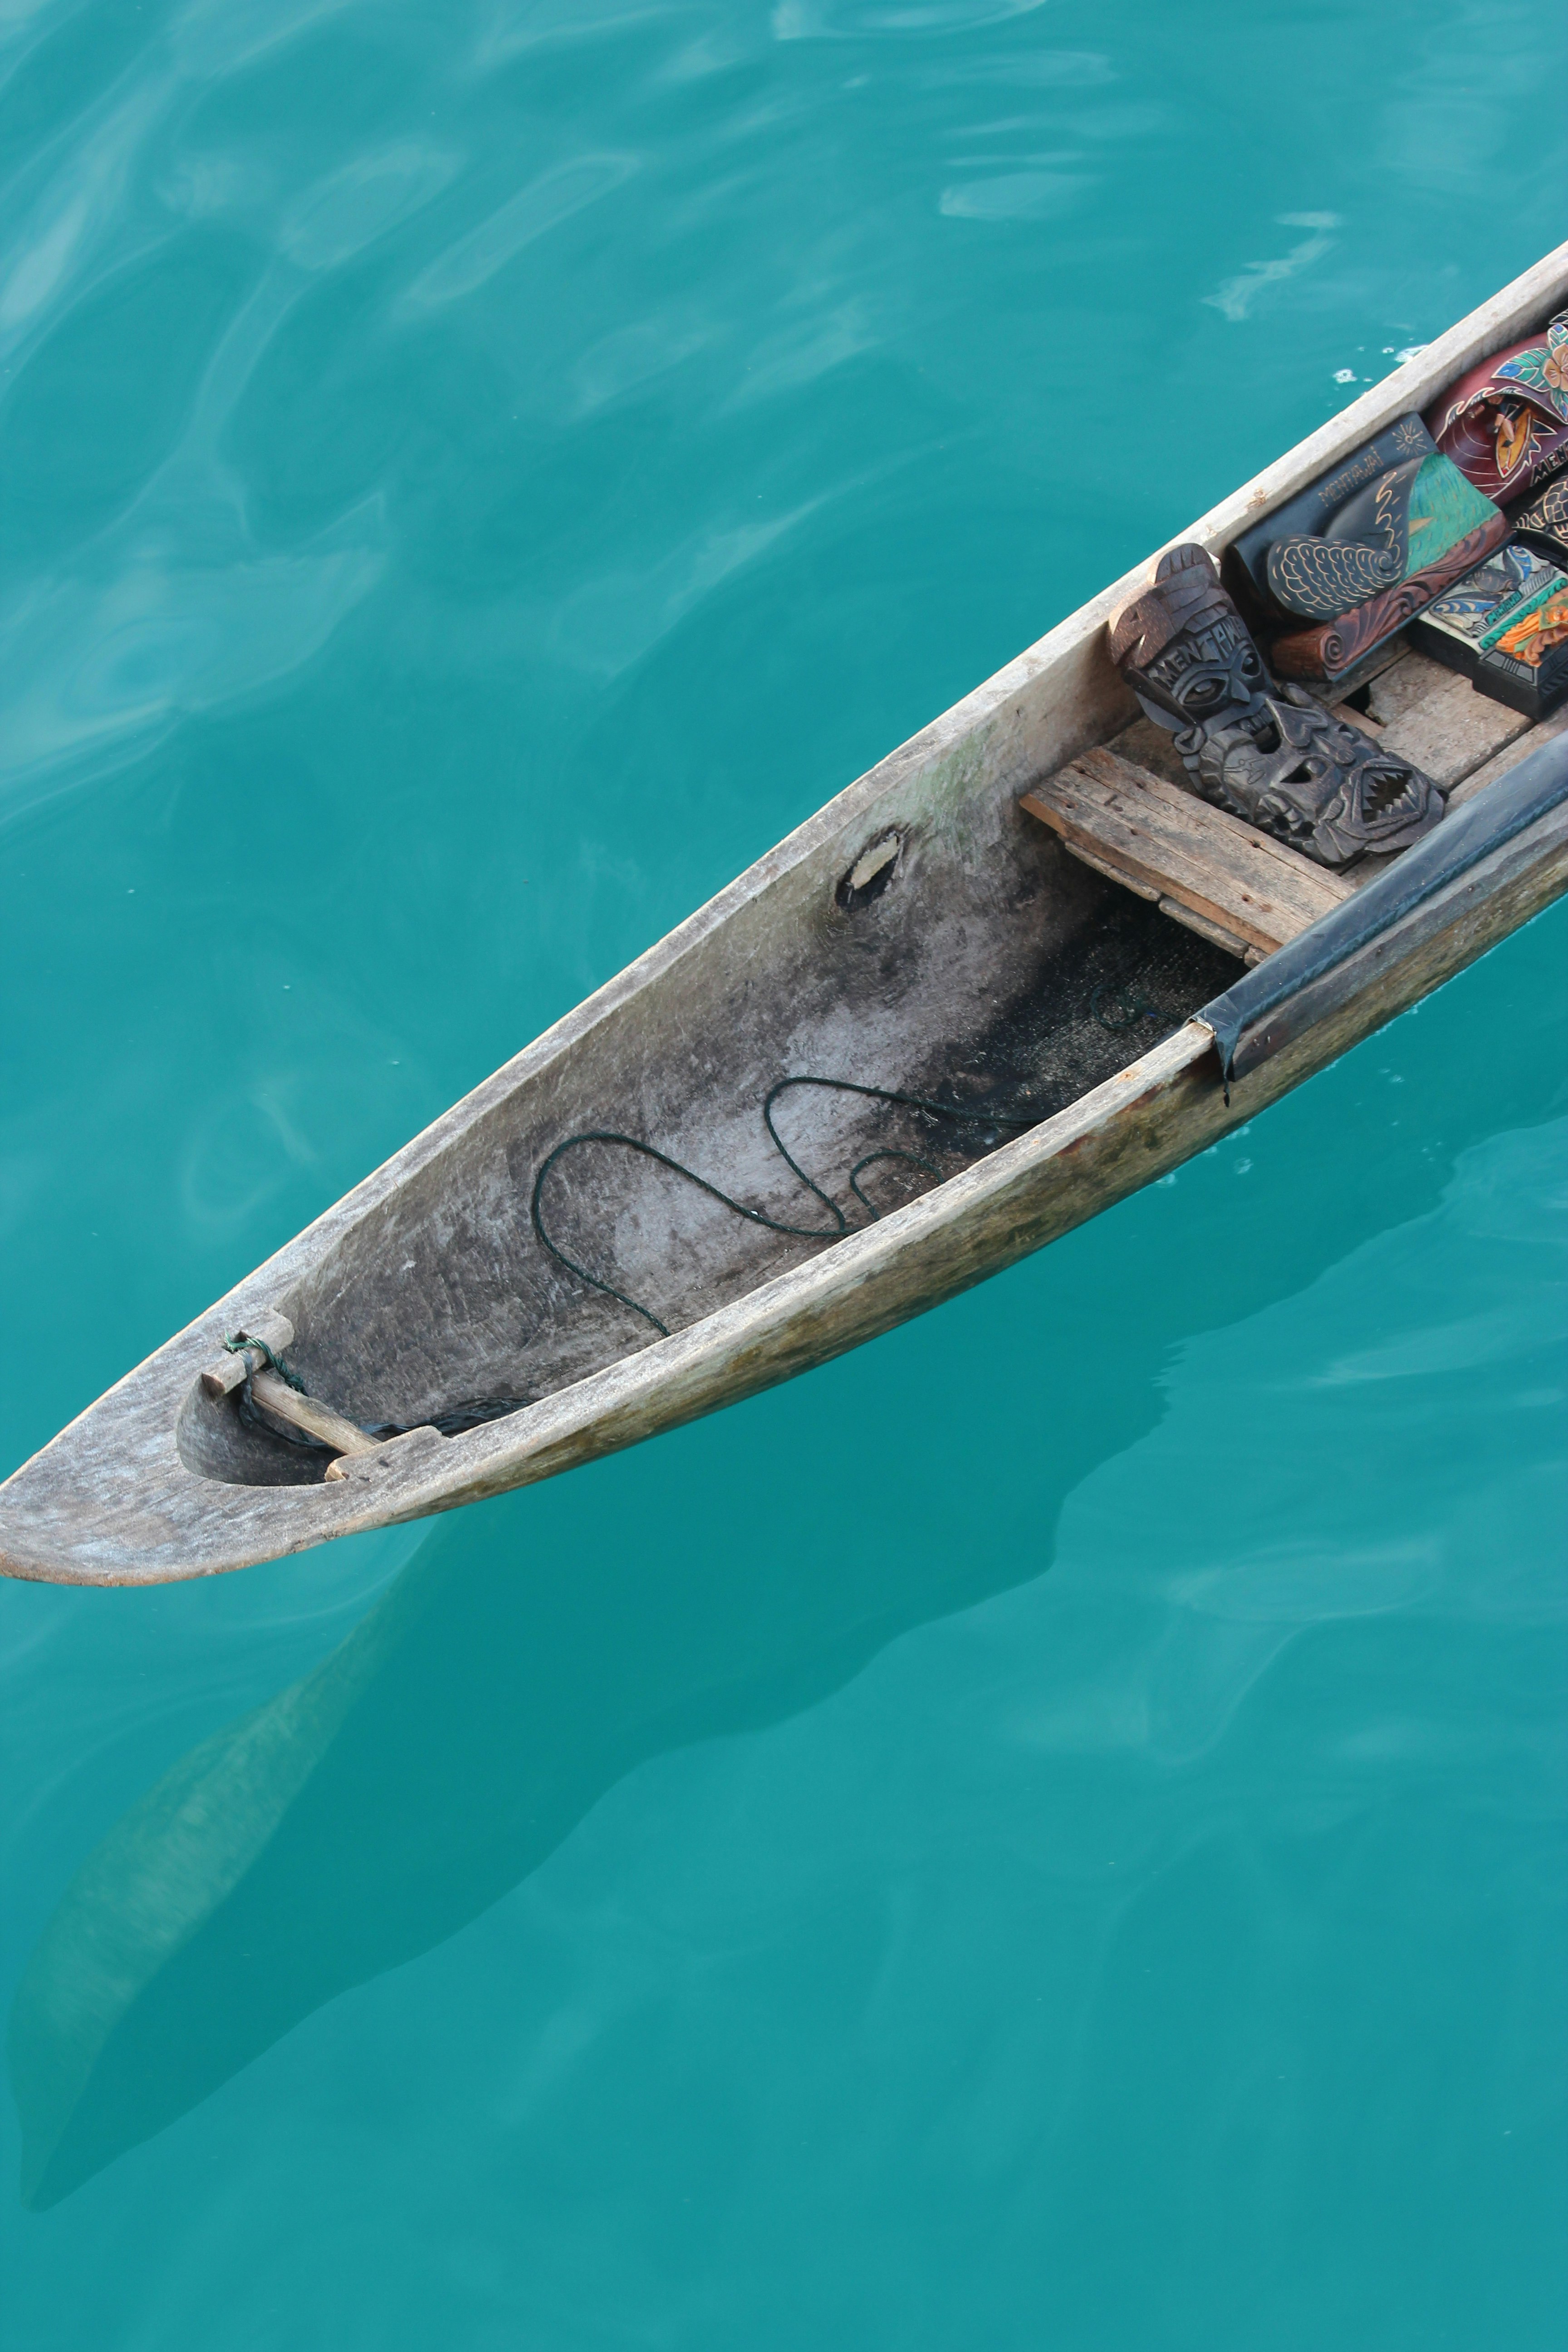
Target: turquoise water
1051, 1830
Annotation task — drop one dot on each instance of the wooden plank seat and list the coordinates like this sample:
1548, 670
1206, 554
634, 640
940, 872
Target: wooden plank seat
1206, 868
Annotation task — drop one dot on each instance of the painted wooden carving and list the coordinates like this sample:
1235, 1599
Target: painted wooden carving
1505, 424
1525, 655
1310, 511
1405, 522
1274, 757
1365, 548
1327, 652
1543, 525
1452, 628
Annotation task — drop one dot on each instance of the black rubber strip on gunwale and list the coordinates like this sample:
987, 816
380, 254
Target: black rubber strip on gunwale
1538, 785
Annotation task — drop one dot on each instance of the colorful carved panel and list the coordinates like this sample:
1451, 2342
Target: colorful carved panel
1505, 424
1363, 549
1402, 524
1327, 652
1543, 524
1309, 513
1524, 655
1457, 626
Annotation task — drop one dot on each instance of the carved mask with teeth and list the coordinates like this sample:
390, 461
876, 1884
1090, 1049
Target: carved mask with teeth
1276, 759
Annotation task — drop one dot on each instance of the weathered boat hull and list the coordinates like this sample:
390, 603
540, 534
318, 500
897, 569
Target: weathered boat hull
409, 1287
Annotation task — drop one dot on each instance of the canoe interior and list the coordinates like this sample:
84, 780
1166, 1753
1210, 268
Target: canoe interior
991, 972
982, 964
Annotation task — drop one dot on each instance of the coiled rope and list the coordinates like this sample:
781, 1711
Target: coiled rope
835, 1232
1115, 1005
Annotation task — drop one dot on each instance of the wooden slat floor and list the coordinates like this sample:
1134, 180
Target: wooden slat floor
1128, 808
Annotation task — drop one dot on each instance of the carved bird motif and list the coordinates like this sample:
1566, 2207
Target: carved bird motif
1322, 578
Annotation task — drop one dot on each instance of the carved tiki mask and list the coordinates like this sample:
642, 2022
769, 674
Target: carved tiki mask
1276, 758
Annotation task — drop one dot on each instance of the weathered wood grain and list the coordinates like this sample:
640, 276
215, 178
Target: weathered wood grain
1113, 872
1449, 730
230, 1369
1250, 890
306, 1412
1402, 687
1215, 933
1509, 756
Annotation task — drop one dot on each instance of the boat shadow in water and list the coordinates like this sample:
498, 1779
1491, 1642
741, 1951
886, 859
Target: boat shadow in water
492, 1696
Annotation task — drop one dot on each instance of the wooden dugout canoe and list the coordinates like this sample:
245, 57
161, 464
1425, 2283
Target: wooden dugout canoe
971, 962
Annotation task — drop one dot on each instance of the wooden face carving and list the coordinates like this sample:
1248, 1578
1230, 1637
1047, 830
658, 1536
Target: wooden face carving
1324, 788
1209, 667
1183, 648
1276, 758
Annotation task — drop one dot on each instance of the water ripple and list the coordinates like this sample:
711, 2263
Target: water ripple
542, 205
354, 206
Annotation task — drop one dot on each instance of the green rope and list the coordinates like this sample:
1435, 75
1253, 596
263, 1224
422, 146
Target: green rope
832, 1233
255, 1415
241, 1340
